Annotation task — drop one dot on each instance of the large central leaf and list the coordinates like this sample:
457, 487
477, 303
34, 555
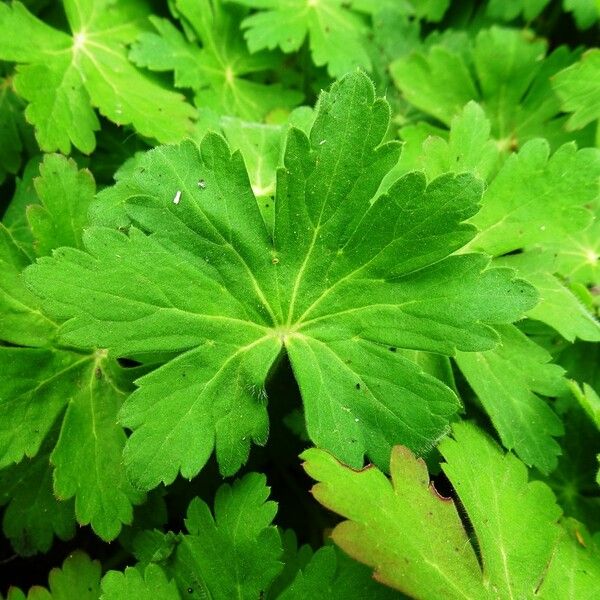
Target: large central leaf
342, 284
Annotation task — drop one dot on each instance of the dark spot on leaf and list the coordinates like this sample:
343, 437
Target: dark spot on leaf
190, 590
357, 386
393, 349
98, 373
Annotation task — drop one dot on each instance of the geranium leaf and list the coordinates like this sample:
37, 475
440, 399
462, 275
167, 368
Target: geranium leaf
415, 539
504, 70
578, 88
342, 283
336, 34
64, 76
48, 391
218, 70
508, 380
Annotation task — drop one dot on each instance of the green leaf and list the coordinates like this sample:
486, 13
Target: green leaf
63, 77
40, 386
15, 216
468, 148
44, 386
261, 146
504, 70
234, 554
590, 403
575, 569
22, 320
343, 282
78, 579
508, 380
218, 71
578, 88
331, 574
585, 12
336, 34
429, 10
507, 11
578, 255
134, 585
11, 126
575, 480
559, 307
33, 514
414, 538
237, 553
415, 541
537, 198
65, 194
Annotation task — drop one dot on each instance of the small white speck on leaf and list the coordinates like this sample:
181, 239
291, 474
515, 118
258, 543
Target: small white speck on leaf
177, 197
202, 184
322, 142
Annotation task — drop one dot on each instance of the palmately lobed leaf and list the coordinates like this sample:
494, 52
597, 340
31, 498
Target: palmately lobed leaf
337, 36
345, 278
505, 70
59, 406
65, 76
415, 539
218, 70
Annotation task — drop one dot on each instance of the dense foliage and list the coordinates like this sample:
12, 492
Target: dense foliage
299, 299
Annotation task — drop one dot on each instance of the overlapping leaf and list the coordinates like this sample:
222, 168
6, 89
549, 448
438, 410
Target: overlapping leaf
218, 71
502, 69
539, 205
337, 35
234, 552
57, 404
578, 88
33, 515
507, 379
416, 542
538, 198
64, 76
575, 481
341, 284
